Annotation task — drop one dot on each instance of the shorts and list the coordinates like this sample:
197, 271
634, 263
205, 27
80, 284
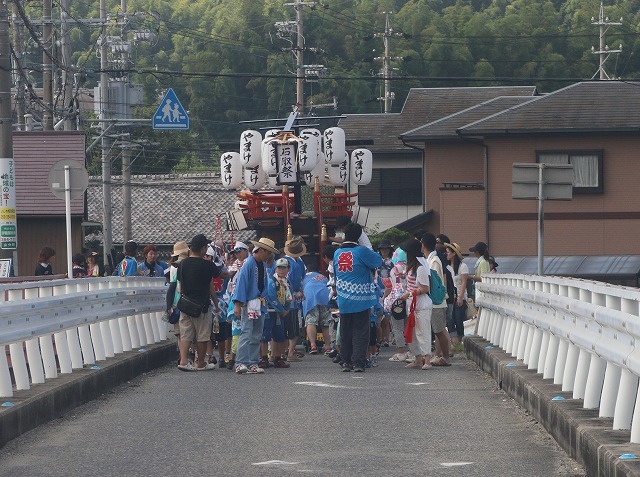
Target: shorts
438, 320
198, 328
224, 331
291, 328
318, 315
176, 328
373, 333
273, 328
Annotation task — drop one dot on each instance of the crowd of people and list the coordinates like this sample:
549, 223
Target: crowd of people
249, 308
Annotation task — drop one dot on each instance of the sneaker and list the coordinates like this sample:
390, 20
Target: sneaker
331, 353
398, 358
346, 368
409, 357
231, 364
359, 369
264, 362
367, 364
227, 357
374, 361
280, 363
385, 344
241, 369
254, 369
221, 364
337, 358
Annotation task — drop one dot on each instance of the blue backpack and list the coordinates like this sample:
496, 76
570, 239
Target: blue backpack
437, 290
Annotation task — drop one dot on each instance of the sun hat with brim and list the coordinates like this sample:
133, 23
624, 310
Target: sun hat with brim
295, 247
266, 244
456, 248
180, 248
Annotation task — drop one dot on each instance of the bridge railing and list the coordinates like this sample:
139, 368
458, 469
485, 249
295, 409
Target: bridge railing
585, 335
68, 324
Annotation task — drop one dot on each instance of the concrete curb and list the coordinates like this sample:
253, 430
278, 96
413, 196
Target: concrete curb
51, 400
587, 438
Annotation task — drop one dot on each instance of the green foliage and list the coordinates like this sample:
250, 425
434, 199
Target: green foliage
227, 63
395, 235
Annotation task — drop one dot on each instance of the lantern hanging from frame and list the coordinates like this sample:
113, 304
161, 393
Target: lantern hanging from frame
361, 166
269, 152
250, 148
254, 177
230, 170
309, 149
334, 145
339, 173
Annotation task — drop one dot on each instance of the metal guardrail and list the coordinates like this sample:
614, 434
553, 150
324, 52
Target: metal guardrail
585, 335
77, 321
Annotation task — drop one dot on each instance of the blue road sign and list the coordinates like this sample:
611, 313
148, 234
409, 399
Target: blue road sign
170, 114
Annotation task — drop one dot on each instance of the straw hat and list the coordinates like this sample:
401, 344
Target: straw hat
295, 247
180, 249
266, 244
456, 248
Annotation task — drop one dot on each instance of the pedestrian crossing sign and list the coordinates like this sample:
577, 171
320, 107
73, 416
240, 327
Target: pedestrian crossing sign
170, 114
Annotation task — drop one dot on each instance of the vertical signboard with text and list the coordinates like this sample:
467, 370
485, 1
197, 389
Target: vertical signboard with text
8, 222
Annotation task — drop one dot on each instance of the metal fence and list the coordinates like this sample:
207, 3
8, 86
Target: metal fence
68, 324
582, 334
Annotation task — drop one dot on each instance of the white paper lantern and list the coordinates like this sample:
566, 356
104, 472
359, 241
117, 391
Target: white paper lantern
230, 170
309, 149
361, 166
339, 173
318, 171
334, 145
250, 148
287, 168
254, 177
269, 154
272, 179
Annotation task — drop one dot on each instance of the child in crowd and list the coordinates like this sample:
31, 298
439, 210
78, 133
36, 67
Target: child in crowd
315, 308
279, 303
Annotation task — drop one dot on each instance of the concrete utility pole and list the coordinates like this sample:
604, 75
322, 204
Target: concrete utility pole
106, 142
604, 51
47, 66
67, 77
126, 148
299, 49
387, 70
18, 31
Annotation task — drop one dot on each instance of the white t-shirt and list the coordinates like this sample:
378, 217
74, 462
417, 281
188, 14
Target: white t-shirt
364, 241
422, 278
457, 279
436, 264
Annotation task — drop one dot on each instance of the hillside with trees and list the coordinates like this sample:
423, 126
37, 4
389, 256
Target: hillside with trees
227, 61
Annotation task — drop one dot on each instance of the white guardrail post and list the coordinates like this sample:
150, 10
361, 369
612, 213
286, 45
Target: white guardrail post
60, 325
581, 334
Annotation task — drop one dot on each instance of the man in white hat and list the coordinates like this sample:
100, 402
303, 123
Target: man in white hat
249, 305
241, 252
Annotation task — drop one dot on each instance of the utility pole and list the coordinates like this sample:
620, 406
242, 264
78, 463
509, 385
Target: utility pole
604, 51
47, 66
387, 71
67, 77
17, 42
126, 148
106, 142
6, 119
299, 51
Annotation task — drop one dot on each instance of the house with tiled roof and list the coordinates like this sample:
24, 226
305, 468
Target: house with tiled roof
397, 191
167, 208
469, 157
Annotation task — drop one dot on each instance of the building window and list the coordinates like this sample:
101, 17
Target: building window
392, 187
587, 168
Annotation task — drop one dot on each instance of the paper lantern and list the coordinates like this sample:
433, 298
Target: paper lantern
318, 171
269, 154
339, 173
309, 148
361, 166
250, 148
272, 179
334, 145
254, 177
287, 168
230, 170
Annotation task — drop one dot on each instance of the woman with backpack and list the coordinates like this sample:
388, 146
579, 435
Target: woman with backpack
417, 297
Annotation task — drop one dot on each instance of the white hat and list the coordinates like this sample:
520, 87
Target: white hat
240, 245
266, 244
210, 251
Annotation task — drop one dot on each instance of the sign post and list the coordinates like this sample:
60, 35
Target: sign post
8, 221
542, 181
68, 179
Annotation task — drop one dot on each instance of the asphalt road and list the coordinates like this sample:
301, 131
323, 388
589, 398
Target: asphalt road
309, 419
